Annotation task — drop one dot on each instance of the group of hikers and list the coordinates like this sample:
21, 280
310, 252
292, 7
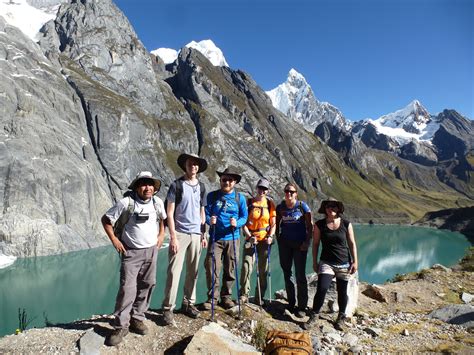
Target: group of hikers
136, 227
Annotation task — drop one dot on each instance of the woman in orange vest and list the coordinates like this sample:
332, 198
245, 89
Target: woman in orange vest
259, 232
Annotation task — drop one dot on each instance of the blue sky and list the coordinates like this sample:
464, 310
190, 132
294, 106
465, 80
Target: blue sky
366, 57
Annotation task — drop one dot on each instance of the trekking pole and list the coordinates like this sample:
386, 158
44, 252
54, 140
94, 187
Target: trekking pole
269, 271
258, 275
236, 263
213, 271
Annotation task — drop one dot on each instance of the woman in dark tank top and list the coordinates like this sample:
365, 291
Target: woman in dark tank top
338, 258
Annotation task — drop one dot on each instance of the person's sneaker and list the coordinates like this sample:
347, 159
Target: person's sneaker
244, 299
190, 310
339, 323
138, 326
116, 337
168, 317
227, 303
313, 318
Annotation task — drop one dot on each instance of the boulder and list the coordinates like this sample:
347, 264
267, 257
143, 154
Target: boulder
213, 339
375, 292
462, 314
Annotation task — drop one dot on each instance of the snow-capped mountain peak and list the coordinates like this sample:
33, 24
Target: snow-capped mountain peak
296, 99
210, 51
411, 122
168, 55
206, 47
29, 19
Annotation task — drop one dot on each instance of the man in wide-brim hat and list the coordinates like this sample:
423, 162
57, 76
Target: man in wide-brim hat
186, 221
202, 163
226, 213
231, 172
140, 215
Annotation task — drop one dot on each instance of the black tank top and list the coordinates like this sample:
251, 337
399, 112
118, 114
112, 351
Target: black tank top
335, 249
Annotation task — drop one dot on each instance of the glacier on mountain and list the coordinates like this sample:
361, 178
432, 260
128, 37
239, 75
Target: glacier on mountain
206, 47
296, 99
413, 122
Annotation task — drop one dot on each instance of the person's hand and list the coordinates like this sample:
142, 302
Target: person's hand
119, 246
315, 266
174, 245
233, 222
269, 240
353, 268
203, 242
213, 220
253, 240
304, 246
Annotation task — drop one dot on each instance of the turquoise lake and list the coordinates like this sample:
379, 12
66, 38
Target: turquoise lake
77, 285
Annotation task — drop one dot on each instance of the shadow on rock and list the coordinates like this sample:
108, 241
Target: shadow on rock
179, 347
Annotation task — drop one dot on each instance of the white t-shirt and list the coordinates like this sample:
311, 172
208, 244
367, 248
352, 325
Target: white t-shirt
139, 234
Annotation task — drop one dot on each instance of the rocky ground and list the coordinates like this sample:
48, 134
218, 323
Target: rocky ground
393, 317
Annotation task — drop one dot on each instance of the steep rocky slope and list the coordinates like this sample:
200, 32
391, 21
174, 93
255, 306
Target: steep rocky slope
88, 107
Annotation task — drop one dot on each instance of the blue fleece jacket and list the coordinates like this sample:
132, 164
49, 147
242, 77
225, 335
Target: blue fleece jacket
225, 207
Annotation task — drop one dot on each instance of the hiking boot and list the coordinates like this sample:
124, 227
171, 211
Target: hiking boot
138, 326
116, 337
339, 323
227, 303
300, 313
244, 299
207, 306
168, 317
313, 318
190, 310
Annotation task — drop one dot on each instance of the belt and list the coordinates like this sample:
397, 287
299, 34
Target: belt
258, 230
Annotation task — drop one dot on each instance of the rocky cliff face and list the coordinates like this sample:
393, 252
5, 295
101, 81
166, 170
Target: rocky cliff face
88, 107
52, 185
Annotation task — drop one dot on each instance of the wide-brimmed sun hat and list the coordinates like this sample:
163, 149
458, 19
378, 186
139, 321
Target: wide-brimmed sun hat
201, 162
145, 175
230, 171
331, 200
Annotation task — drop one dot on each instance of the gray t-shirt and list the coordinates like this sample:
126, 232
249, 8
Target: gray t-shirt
187, 214
138, 234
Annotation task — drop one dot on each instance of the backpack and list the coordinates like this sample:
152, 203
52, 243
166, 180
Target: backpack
119, 225
278, 342
179, 194
270, 204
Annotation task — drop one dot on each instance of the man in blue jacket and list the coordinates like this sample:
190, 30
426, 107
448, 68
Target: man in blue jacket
226, 213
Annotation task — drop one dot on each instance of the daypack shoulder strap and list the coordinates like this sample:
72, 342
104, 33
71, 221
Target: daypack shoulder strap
119, 225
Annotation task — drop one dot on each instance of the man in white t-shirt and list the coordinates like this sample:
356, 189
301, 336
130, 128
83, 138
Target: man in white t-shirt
138, 244
186, 221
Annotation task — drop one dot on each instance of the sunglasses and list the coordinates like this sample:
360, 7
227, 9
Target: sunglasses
262, 188
331, 205
227, 180
291, 192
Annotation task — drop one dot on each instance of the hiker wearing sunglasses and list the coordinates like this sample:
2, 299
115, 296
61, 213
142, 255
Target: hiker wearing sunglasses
226, 213
259, 232
338, 258
293, 229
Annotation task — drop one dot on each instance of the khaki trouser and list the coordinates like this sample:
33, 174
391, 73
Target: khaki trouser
224, 253
137, 281
189, 248
247, 267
